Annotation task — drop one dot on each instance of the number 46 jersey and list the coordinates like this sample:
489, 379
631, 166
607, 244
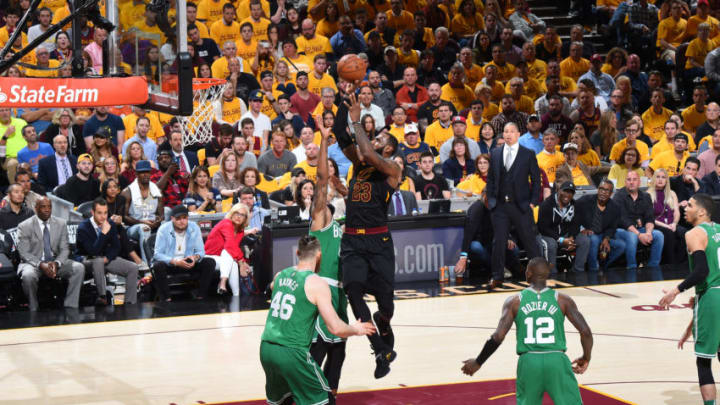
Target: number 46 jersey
540, 323
291, 318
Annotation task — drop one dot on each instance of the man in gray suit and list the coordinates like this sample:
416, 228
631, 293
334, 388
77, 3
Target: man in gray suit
402, 203
43, 247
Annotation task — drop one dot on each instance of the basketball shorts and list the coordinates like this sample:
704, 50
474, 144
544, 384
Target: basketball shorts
340, 303
369, 260
551, 372
291, 372
706, 324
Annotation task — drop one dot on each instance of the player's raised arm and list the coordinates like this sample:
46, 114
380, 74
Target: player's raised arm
340, 129
318, 293
570, 309
509, 311
320, 214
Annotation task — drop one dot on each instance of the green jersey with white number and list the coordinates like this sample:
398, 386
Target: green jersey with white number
329, 239
712, 253
539, 322
291, 318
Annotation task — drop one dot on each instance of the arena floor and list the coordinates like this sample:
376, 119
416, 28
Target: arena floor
213, 358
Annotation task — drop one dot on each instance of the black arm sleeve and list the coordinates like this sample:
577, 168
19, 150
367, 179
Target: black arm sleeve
340, 127
700, 271
490, 346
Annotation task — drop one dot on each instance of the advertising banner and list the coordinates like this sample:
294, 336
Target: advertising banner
71, 92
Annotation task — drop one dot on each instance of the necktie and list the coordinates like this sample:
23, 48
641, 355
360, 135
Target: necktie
182, 164
508, 159
46, 244
399, 208
66, 169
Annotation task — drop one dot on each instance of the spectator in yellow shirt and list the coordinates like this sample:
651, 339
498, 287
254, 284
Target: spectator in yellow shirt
505, 71
259, 23
310, 43
702, 16
696, 52
523, 103
225, 29
220, 69
656, 116
549, 159
399, 19
568, 86
574, 65
666, 143
627, 162
694, 115
441, 130
632, 131
536, 69
671, 160
191, 15
467, 22
318, 79
156, 132
670, 33
43, 61
210, 11
456, 91
473, 72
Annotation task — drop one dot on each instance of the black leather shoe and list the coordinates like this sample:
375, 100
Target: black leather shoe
493, 284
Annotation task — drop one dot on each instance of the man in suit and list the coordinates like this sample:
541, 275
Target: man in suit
402, 203
44, 250
186, 160
511, 199
55, 169
99, 242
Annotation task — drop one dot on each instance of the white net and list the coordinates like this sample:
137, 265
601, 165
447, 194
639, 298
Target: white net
197, 128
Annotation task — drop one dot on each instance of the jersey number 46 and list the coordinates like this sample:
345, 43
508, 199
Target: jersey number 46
282, 306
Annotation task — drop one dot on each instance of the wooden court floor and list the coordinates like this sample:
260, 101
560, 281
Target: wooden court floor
214, 358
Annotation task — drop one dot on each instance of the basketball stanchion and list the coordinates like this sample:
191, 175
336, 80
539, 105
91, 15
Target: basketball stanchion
197, 128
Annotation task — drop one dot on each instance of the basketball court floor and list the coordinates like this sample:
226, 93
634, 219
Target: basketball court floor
213, 358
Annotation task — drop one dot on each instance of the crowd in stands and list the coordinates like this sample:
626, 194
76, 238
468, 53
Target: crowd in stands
640, 124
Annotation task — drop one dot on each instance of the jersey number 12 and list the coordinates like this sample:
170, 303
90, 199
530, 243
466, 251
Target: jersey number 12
543, 334
282, 306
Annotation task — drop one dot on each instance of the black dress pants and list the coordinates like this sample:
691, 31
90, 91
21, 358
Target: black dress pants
503, 216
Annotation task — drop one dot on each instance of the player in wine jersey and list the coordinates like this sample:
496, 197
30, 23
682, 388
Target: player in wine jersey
703, 245
327, 346
539, 317
298, 296
367, 254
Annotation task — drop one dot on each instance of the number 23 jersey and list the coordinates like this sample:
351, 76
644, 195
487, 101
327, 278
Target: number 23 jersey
368, 199
291, 318
540, 323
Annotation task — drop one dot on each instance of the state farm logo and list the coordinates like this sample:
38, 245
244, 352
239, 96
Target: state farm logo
59, 94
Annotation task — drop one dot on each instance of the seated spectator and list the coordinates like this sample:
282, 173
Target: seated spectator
598, 217
606, 136
172, 180
459, 128
144, 210
250, 177
102, 118
42, 243
697, 51
310, 162
428, 185
637, 222
509, 114
227, 178
406, 183
628, 162
411, 149
672, 160
440, 130
240, 144
33, 151
488, 141
706, 129
201, 196
574, 171
135, 153
475, 184
558, 226
632, 132
533, 138
101, 147
257, 213
99, 241
337, 190
307, 137
526, 24
303, 198
549, 159
291, 124
666, 143
586, 154
711, 181
287, 196
15, 211
277, 160
666, 211
109, 170
686, 185
542, 104
65, 123
185, 159
142, 128
57, 168
460, 164
179, 248
110, 191
82, 186
223, 246
23, 178
218, 144
694, 115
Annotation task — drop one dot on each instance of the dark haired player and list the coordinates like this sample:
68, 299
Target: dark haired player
703, 245
539, 317
367, 253
298, 296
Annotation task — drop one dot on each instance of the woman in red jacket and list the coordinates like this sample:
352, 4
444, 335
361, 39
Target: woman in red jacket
223, 245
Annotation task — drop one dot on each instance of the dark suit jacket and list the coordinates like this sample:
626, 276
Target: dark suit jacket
610, 218
409, 202
524, 166
47, 171
92, 244
711, 183
192, 159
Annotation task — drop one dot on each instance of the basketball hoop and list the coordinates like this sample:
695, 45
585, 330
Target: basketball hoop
197, 128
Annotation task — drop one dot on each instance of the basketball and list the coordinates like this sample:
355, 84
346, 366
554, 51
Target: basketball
351, 68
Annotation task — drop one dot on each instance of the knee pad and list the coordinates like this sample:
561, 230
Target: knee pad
704, 368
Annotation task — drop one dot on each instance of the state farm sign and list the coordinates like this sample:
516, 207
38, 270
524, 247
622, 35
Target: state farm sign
69, 92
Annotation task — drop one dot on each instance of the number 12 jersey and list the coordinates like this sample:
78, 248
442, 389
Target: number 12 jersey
540, 323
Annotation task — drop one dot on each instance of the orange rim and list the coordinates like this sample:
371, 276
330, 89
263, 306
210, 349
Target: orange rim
202, 83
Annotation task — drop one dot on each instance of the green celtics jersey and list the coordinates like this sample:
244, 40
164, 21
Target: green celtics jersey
291, 317
540, 323
712, 253
329, 238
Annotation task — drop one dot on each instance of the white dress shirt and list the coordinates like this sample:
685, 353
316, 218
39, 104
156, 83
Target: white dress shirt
512, 152
62, 175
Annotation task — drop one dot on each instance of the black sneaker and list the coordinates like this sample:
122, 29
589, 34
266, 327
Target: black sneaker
384, 330
382, 362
